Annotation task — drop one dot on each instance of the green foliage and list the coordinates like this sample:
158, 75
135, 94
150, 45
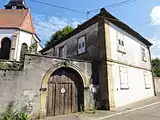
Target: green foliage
24, 50
12, 114
11, 65
33, 48
58, 35
9, 113
156, 67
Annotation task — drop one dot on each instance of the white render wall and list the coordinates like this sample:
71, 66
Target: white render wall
6, 33
22, 37
136, 91
132, 46
133, 57
9, 33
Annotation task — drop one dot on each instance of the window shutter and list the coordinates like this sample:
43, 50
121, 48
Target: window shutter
57, 51
62, 51
143, 53
126, 79
123, 78
81, 45
147, 83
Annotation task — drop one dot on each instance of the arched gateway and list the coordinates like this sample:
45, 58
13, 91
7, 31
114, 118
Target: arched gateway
65, 92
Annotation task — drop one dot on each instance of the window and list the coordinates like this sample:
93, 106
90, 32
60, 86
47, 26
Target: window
62, 52
143, 54
121, 45
146, 81
5, 48
14, 7
24, 50
79, 46
119, 41
123, 78
82, 45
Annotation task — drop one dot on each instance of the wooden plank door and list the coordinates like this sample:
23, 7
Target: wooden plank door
65, 93
62, 99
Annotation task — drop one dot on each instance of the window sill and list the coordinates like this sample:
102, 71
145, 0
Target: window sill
124, 88
144, 60
147, 87
78, 54
121, 51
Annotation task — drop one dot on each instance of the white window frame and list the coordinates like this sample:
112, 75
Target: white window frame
14, 7
81, 46
146, 80
124, 84
120, 43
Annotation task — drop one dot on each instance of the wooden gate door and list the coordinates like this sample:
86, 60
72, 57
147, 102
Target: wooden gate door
62, 94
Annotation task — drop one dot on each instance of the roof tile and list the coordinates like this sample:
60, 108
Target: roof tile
16, 19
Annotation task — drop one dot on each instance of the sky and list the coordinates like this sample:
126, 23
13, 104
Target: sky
142, 15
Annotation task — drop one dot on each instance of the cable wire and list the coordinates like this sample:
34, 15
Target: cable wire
113, 5
56, 6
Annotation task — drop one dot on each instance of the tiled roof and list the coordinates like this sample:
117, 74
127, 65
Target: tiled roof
17, 18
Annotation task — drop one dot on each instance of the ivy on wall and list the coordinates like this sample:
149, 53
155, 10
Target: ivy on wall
24, 49
11, 65
33, 48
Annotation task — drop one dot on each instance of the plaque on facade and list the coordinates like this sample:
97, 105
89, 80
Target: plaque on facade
63, 90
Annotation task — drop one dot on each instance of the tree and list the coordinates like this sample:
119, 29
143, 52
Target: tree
156, 67
58, 35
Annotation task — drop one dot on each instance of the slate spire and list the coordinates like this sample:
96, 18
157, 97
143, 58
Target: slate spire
16, 4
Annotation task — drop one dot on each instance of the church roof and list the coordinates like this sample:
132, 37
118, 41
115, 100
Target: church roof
18, 18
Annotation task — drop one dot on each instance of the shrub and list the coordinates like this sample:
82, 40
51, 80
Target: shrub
13, 114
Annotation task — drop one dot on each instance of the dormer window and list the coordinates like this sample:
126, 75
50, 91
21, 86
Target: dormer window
16, 4
14, 7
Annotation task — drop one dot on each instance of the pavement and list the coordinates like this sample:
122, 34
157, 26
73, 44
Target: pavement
148, 109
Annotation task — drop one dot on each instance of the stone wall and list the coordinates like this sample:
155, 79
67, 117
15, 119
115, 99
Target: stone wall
95, 52
24, 86
157, 85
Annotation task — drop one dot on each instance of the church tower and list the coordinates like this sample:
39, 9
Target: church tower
16, 4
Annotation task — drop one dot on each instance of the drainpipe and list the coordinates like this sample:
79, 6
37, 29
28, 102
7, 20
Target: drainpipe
154, 87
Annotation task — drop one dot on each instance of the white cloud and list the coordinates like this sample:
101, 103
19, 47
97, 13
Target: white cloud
155, 49
155, 15
46, 26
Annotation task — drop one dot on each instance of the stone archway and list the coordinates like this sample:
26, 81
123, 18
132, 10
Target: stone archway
46, 78
65, 92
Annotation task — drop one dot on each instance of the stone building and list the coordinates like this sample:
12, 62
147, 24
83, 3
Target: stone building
102, 64
17, 32
120, 58
46, 86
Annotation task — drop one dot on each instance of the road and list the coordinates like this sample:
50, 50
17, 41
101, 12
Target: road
143, 110
147, 113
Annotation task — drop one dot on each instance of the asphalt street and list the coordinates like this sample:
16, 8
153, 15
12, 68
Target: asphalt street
147, 113
143, 110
